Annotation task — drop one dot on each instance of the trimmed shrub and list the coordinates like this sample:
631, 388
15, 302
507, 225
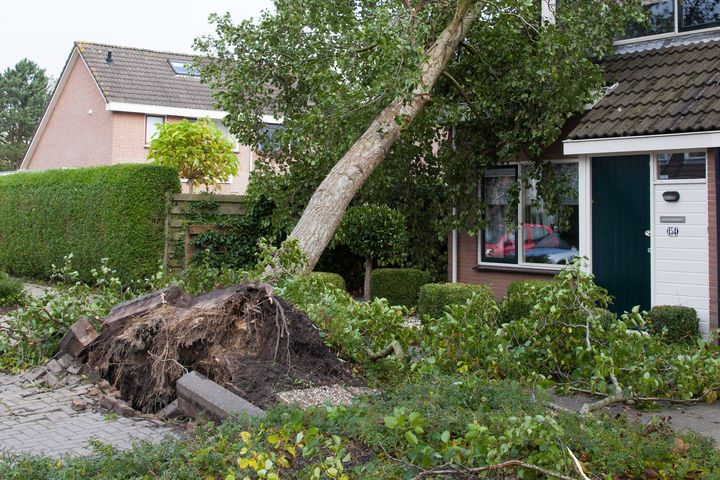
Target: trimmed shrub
328, 279
681, 323
434, 297
113, 212
400, 286
520, 299
11, 290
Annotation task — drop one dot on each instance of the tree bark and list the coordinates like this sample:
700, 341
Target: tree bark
368, 274
327, 206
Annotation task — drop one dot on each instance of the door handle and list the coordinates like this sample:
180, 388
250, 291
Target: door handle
648, 233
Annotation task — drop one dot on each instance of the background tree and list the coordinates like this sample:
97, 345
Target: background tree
363, 81
24, 92
197, 149
376, 233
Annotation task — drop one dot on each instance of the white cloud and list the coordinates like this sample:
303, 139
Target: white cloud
44, 30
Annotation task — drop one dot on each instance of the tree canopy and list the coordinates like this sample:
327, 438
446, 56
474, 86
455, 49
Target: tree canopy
24, 92
330, 69
197, 149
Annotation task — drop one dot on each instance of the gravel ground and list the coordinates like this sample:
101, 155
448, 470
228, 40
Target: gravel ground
331, 395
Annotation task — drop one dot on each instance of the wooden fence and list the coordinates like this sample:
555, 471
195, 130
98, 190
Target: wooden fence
179, 231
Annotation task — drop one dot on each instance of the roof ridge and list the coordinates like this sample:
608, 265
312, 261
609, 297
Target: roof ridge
78, 43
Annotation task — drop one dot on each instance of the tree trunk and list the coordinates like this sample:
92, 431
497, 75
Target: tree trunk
327, 206
368, 273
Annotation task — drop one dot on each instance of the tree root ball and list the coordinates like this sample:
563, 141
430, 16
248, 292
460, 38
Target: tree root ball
242, 337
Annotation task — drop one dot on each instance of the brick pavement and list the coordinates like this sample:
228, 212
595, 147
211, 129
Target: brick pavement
39, 421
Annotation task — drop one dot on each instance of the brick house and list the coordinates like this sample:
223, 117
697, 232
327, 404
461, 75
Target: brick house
642, 164
108, 102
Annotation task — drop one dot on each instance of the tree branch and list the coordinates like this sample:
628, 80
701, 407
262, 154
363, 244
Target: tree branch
473, 472
460, 89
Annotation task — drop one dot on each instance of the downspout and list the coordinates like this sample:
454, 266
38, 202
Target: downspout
454, 260
716, 155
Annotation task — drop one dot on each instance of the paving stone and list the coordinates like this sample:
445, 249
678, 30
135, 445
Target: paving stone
44, 422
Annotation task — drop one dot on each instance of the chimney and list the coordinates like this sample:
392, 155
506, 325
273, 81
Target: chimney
109, 57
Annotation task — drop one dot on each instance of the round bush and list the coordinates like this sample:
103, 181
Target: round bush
400, 286
681, 323
328, 279
521, 296
434, 297
11, 290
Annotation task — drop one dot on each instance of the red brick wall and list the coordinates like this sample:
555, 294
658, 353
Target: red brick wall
78, 130
712, 234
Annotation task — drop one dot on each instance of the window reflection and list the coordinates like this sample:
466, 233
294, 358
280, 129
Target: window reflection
661, 19
498, 242
681, 166
699, 14
553, 237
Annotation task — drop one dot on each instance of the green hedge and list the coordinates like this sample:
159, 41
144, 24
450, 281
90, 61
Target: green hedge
681, 323
115, 212
400, 286
434, 297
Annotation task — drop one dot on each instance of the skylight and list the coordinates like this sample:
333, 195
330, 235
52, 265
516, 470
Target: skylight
184, 68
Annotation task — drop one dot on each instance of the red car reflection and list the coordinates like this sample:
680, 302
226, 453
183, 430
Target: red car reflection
505, 244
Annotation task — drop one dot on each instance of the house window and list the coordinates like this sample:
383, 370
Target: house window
681, 166
544, 237
270, 143
181, 67
151, 126
673, 16
226, 133
498, 241
695, 14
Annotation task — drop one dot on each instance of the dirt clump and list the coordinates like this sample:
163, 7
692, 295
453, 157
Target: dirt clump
243, 337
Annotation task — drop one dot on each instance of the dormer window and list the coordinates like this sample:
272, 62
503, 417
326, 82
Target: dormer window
181, 67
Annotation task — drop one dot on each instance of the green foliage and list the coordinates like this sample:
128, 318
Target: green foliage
674, 323
235, 246
453, 421
330, 279
519, 300
113, 212
400, 286
374, 232
24, 92
197, 150
434, 297
11, 290
33, 332
352, 327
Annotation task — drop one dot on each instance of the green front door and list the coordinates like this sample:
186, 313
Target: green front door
620, 220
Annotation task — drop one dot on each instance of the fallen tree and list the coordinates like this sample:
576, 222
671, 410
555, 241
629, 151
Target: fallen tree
351, 79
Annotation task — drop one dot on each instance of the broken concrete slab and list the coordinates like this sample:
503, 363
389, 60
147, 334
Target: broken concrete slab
172, 410
198, 394
80, 335
172, 295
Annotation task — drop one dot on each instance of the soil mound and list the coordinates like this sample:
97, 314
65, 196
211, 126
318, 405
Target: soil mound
242, 337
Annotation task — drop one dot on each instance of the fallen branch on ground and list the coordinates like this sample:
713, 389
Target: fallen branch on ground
457, 471
394, 347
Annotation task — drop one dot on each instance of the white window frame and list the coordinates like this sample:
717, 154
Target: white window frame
584, 222
164, 120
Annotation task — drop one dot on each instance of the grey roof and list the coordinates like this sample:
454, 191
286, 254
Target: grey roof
144, 77
672, 89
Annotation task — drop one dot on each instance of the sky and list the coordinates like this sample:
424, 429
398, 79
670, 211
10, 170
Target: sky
44, 30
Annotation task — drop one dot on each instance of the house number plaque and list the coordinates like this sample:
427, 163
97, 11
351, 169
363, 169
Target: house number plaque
673, 231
